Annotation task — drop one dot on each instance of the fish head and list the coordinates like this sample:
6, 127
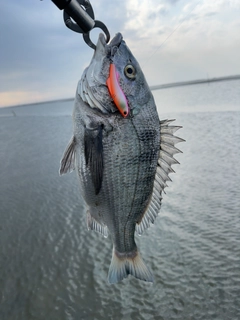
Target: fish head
114, 80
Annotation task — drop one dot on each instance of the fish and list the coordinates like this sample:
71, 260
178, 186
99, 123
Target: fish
122, 153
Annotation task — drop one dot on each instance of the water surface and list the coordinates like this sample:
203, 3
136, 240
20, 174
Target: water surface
51, 267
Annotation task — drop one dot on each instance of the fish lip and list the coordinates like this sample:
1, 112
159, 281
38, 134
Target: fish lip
114, 43
102, 39
111, 48
116, 40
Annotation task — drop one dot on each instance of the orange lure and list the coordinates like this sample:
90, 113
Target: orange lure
116, 91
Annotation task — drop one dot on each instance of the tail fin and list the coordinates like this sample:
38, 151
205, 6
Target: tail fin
130, 263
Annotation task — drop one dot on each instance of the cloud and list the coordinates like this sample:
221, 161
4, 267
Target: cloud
173, 40
38, 52
172, 2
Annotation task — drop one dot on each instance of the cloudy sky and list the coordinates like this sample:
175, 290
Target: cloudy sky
174, 40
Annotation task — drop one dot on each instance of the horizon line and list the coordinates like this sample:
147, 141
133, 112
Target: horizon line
152, 88
192, 82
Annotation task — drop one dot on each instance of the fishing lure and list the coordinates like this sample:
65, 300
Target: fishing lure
116, 92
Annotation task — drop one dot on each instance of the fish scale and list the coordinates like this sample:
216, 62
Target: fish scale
147, 165
121, 179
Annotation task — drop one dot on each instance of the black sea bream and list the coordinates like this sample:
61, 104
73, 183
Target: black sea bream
121, 151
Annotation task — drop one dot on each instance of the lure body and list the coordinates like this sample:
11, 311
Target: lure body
116, 92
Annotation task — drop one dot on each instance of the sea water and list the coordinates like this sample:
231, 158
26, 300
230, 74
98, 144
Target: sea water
52, 267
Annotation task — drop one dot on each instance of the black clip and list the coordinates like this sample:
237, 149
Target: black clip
82, 13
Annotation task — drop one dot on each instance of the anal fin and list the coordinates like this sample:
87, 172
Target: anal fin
92, 224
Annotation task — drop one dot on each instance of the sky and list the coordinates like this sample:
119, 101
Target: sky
173, 40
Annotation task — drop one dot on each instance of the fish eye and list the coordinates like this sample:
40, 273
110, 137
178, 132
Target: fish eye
130, 71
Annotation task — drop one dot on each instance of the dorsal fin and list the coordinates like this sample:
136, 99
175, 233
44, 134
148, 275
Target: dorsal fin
164, 168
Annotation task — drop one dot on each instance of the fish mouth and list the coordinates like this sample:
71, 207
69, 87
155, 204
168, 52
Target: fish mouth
116, 41
113, 44
98, 76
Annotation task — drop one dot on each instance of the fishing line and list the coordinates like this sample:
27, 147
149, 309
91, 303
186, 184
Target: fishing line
177, 27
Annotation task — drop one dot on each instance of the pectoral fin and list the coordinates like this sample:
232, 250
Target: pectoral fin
68, 159
94, 155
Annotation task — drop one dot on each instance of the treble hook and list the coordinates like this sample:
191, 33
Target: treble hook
81, 12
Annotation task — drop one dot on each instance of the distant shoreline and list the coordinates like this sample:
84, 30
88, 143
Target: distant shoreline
192, 82
152, 88
37, 103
